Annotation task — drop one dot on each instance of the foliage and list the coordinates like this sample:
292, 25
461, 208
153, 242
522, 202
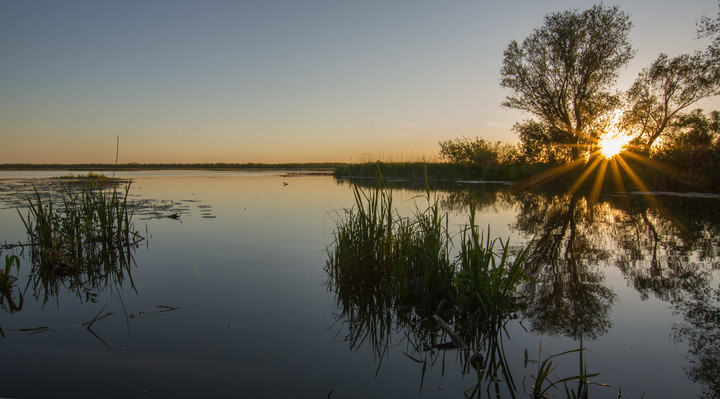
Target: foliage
410, 257
487, 281
407, 256
563, 72
692, 145
541, 144
478, 152
662, 91
542, 382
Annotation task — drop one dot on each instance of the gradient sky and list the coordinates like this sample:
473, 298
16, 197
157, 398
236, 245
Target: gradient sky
277, 81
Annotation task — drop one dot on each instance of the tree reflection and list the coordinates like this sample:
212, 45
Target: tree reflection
666, 248
702, 332
568, 294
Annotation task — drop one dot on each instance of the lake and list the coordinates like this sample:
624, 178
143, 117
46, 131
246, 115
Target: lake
233, 297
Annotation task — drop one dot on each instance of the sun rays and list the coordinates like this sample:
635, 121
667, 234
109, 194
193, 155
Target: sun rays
610, 157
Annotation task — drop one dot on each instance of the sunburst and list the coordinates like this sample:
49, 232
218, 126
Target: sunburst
610, 150
611, 146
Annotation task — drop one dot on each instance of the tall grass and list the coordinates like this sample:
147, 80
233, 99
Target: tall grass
486, 278
84, 244
397, 273
7, 285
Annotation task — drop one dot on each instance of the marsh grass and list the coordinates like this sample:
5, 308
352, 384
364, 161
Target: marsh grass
437, 171
393, 273
542, 381
487, 279
85, 244
93, 180
7, 287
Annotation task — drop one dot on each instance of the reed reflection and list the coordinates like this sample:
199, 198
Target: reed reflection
396, 284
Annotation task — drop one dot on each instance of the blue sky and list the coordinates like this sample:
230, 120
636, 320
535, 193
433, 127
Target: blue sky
276, 81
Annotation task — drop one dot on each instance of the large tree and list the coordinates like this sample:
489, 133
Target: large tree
663, 90
670, 85
564, 72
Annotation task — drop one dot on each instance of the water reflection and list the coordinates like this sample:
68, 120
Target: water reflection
81, 241
665, 248
701, 330
370, 317
568, 293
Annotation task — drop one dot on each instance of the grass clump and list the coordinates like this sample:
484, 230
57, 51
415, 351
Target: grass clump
85, 242
375, 246
7, 285
392, 273
410, 258
486, 279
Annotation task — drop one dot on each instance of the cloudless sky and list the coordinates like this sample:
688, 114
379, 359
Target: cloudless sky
277, 81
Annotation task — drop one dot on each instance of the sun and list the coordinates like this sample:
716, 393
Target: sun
611, 146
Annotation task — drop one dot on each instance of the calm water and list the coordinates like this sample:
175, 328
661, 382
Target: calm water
231, 300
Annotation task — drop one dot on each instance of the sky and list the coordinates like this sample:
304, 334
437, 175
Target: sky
278, 81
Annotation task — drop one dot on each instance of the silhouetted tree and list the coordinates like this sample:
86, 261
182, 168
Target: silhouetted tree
541, 144
564, 71
692, 145
663, 90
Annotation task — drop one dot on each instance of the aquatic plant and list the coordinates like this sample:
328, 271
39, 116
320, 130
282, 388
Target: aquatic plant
85, 243
395, 273
542, 381
487, 280
7, 284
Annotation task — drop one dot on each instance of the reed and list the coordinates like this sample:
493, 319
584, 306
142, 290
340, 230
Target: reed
7, 285
542, 381
85, 243
487, 279
393, 273
411, 258
407, 257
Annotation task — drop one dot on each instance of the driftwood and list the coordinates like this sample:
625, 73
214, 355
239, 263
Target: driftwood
453, 336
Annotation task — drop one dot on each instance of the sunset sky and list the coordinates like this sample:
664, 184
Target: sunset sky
277, 81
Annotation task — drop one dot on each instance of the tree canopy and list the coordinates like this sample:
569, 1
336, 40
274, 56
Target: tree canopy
663, 90
564, 72
710, 28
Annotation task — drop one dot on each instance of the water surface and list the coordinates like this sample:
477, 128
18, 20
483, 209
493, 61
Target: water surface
231, 299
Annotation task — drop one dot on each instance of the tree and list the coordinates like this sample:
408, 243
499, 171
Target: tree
540, 144
477, 151
663, 90
564, 71
692, 144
